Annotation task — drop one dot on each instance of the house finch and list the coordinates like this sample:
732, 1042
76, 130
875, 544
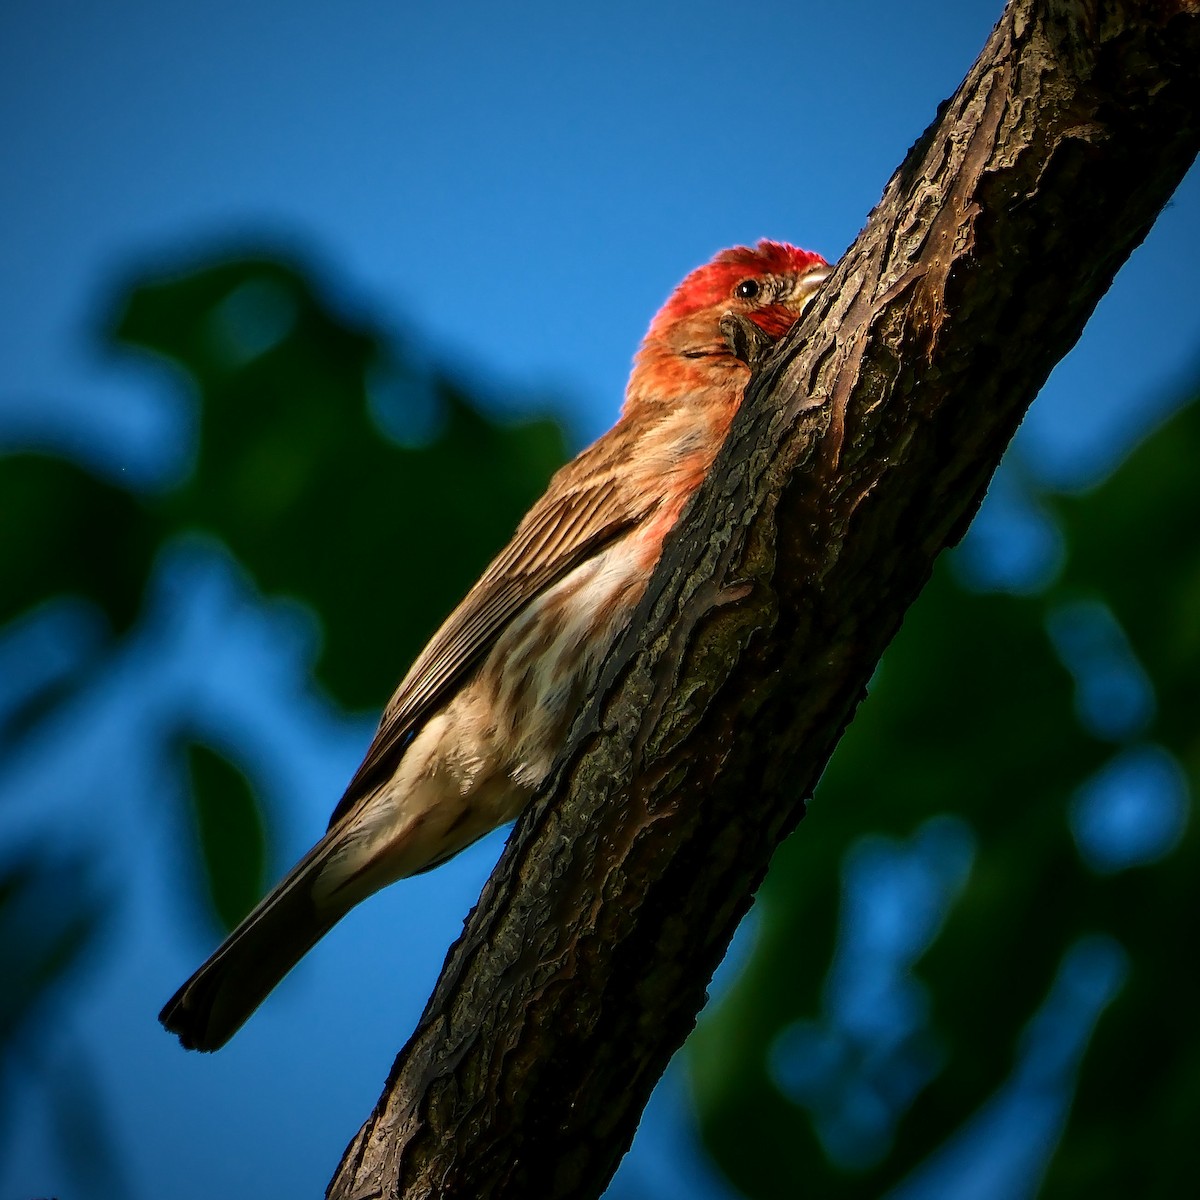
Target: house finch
475, 725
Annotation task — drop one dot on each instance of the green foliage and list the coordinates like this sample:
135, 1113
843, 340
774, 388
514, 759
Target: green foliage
67, 532
48, 915
974, 714
232, 840
293, 472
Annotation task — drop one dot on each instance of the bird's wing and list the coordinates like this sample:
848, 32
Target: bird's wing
588, 504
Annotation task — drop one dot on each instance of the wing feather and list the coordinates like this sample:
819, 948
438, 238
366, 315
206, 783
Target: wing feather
589, 503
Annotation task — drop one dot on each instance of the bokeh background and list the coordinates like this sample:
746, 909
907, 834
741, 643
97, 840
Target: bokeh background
301, 304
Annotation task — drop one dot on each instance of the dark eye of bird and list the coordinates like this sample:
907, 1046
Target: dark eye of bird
747, 289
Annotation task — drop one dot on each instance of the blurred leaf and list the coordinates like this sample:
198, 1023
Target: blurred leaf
964, 712
378, 535
232, 839
64, 531
82, 1125
49, 915
294, 475
973, 714
1134, 541
44, 655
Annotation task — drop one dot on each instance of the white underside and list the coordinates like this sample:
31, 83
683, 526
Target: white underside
477, 762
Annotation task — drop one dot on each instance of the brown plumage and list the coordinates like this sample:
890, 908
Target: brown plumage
473, 729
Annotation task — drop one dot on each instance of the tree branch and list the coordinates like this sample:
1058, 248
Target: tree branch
863, 448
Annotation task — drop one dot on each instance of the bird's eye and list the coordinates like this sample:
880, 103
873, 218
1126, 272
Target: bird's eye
747, 289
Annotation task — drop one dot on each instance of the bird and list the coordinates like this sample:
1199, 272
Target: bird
473, 729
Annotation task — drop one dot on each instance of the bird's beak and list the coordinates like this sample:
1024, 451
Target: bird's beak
807, 285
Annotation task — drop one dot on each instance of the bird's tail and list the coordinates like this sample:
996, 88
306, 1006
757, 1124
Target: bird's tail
214, 1004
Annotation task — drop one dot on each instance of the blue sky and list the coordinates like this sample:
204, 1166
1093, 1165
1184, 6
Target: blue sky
518, 187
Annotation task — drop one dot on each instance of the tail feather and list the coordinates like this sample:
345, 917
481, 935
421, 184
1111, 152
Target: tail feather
218, 999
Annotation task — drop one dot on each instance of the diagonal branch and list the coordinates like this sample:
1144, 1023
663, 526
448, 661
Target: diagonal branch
864, 448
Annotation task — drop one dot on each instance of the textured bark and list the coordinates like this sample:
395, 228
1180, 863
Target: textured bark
863, 449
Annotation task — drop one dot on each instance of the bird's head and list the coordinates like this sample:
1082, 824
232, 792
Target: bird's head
692, 340
769, 284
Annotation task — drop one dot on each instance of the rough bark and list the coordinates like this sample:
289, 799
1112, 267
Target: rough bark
862, 450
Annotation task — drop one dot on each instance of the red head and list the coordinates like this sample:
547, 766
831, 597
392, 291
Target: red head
769, 283
685, 350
